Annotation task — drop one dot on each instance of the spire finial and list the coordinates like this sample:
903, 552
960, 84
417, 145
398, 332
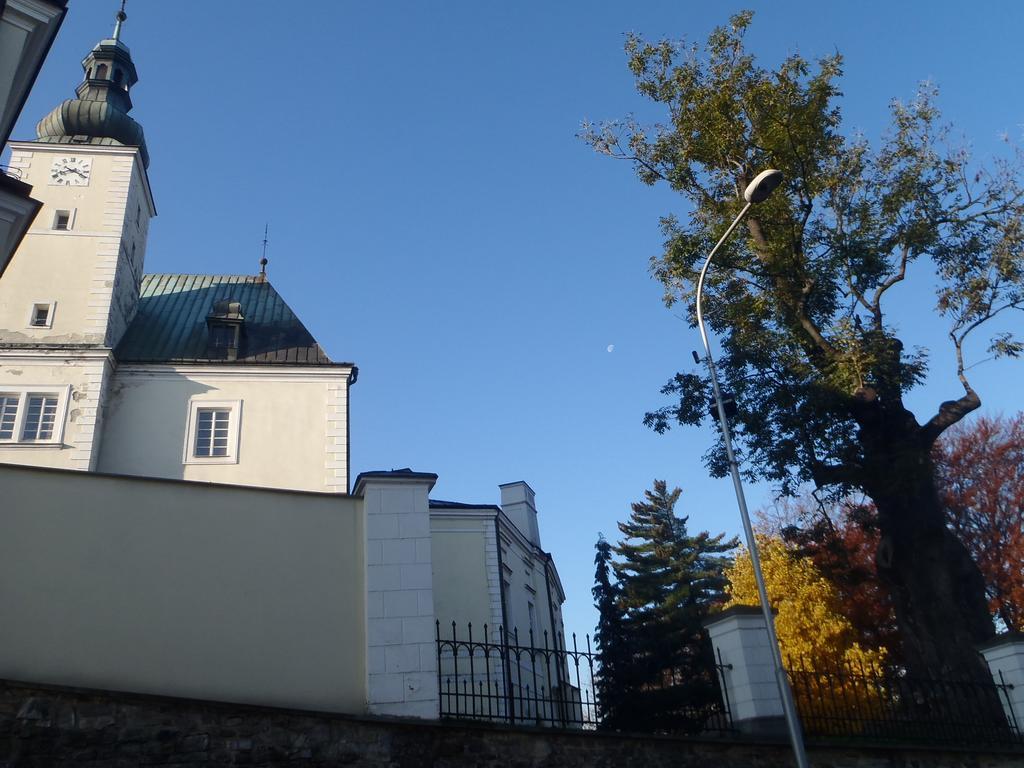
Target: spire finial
263, 259
121, 18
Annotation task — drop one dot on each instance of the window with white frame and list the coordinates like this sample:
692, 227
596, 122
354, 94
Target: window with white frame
32, 415
64, 220
42, 314
213, 431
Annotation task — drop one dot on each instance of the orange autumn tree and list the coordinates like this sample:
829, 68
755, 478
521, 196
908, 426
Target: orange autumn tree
981, 466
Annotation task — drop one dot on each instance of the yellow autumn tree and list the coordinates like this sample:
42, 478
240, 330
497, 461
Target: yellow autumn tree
808, 619
818, 643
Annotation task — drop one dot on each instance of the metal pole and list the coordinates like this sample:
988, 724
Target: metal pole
788, 705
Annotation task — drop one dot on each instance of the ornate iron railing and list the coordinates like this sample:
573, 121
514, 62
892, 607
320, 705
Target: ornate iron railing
500, 677
879, 704
496, 677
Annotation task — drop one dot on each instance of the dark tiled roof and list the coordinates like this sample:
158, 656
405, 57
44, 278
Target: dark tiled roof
441, 504
170, 325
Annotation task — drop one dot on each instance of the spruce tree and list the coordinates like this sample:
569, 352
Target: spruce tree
613, 658
667, 582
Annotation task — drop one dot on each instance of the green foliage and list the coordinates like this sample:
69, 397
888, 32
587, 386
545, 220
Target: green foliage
799, 301
613, 655
661, 670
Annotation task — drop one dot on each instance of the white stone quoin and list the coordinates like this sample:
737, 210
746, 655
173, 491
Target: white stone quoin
401, 635
1005, 658
739, 635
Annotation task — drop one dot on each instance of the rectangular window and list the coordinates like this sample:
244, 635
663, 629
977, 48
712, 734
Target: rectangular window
40, 418
213, 430
8, 414
33, 416
62, 220
223, 336
41, 315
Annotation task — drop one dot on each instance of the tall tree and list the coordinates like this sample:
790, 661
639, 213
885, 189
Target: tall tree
667, 582
982, 470
613, 655
800, 302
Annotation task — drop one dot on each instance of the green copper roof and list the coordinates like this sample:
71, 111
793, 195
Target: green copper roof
99, 112
170, 325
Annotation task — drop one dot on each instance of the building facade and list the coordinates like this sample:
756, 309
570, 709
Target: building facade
106, 368
153, 424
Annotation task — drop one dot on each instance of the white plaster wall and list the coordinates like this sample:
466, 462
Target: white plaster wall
285, 420
460, 574
525, 574
197, 590
79, 268
87, 374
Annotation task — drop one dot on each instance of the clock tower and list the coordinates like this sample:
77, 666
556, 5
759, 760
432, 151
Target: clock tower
72, 287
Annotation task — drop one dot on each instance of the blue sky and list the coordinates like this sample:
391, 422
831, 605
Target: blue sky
434, 219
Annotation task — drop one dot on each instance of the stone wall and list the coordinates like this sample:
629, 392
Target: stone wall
52, 726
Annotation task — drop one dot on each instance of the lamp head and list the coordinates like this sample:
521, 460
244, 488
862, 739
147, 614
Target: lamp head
763, 185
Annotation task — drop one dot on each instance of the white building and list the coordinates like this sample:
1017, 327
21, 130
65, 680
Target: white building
116, 385
199, 377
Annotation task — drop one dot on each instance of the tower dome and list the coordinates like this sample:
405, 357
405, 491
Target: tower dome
99, 112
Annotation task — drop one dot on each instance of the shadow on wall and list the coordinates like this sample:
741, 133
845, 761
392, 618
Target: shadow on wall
145, 424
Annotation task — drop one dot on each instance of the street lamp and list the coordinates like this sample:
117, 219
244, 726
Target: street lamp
757, 191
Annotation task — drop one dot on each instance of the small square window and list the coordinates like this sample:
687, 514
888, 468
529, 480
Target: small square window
213, 430
42, 314
62, 220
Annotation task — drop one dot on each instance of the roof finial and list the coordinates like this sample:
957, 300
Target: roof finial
121, 18
263, 259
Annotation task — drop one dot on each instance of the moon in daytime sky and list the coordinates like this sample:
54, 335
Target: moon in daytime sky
611, 347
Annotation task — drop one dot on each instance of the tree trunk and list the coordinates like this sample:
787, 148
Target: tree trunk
937, 589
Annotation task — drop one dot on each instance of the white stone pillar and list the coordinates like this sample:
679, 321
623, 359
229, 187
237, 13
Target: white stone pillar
401, 647
1005, 657
739, 635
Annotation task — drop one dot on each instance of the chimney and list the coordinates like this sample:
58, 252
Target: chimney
518, 504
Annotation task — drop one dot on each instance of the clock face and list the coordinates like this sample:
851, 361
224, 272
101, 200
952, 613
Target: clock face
71, 171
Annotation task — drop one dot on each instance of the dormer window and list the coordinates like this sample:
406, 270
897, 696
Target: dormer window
224, 324
223, 336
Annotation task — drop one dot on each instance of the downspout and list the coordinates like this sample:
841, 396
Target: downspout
352, 379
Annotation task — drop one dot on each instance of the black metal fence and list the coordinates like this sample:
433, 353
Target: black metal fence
499, 676
494, 676
880, 704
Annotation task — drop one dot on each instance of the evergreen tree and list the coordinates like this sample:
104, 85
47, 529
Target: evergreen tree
667, 582
610, 641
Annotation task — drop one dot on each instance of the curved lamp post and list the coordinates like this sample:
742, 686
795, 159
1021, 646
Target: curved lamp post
757, 191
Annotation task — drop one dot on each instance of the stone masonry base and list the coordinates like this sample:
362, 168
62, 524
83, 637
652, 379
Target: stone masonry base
53, 726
